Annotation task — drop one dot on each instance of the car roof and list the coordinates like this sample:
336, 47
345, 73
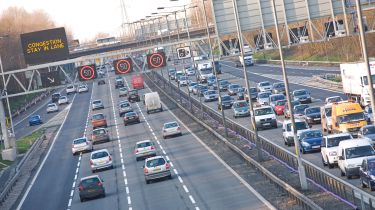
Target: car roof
140, 142
96, 129
101, 150
90, 177
262, 107
170, 122
35, 116
354, 142
338, 135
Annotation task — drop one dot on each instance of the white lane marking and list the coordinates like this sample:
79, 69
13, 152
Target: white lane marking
167, 157
197, 208
74, 184
192, 199
175, 171
71, 193
185, 188
70, 202
180, 179
164, 152
44, 160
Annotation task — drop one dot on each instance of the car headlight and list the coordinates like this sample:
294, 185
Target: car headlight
305, 144
332, 153
351, 165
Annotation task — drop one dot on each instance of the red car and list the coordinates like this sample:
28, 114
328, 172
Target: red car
280, 106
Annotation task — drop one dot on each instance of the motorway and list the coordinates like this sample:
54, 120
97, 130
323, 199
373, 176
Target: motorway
235, 75
200, 181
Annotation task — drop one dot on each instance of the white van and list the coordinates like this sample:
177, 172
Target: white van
350, 155
152, 102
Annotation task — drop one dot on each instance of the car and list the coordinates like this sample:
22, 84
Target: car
101, 82
100, 159
287, 110
302, 96
133, 96
119, 82
265, 117
63, 100
123, 92
263, 98
299, 110
35, 120
368, 132
333, 99
312, 115
210, 95
81, 145
226, 102
329, 147
91, 187
233, 89
144, 149
201, 89
223, 85
52, 107
275, 97
178, 74
171, 129
55, 97
367, 173
191, 86
278, 88
241, 109
368, 114
280, 106
83, 88
155, 168
288, 134
196, 88
131, 117
264, 86
183, 81
171, 74
70, 89
100, 135
97, 104
189, 71
253, 94
124, 108
211, 80
98, 120
310, 141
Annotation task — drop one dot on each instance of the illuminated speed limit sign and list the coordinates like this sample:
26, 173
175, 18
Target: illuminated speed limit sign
123, 66
87, 72
156, 60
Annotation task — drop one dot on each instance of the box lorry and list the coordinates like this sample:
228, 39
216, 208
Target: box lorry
355, 83
152, 102
204, 71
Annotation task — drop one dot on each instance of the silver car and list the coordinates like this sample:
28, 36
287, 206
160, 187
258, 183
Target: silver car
156, 168
263, 98
144, 149
264, 86
171, 129
81, 145
100, 159
123, 92
52, 107
83, 88
97, 104
124, 108
63, 100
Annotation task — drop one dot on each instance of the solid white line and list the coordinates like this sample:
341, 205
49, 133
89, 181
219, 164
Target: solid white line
185, 188
164, 152
179, 179
192, 199
44, 160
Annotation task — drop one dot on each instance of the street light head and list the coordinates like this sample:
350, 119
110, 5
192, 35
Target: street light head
161, 8
154, 13
148, 16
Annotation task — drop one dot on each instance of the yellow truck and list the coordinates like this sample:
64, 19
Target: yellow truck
347, 117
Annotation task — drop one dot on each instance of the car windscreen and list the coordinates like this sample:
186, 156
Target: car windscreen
130, 114
264, 111
240, 105
98, 131
328, 112
35, 118
123, 89
361, 151
79, 141
262, 84
144, 144
334, 99
98, 117
280, 103
171, 125
51, 105
277, 97
226, 98
369, 130
124, 105
210, 92
351, 117
301, 108
193, 84
279, 85
155, 162
300, 92
63, 97
97, 155
334, 141
90, 182
234, 86
97, 102
264, 95
312, 134
253, 90
371, 165
312, 110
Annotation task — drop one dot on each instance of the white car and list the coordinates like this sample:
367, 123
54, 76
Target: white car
189, 71
52, 107
183, 80
100, 159
329, 146
333, 99
63, 100
156, 168
171, 129
264, 98
288, 134
264, 86
70, 89
144, 149
83, 88
81, 145
265, 117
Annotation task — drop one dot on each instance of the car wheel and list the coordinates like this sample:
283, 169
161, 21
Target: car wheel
93, 171
348, 176
137, 158
369, 186
103, 196
330, 165
235, 116
82, 199
342, 173
125, 124
147, 181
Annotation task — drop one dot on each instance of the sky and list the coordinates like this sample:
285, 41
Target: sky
86, 18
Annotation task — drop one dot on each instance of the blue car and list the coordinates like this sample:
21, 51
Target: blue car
35, 120
310, 141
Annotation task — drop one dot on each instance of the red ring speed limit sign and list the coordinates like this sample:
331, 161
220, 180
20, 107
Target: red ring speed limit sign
156, 60
87, 72
123, 66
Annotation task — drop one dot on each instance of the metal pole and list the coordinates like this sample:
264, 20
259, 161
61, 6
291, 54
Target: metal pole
301, 169
161, 34
191, 57
365, 55
4, 129
178, 28
345, 18
259, 143
214, 68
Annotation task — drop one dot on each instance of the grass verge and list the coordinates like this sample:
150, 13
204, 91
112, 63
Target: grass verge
25, 142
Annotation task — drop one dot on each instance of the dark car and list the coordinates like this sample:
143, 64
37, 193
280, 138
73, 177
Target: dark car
55, 97
286, 108
223, 84
367, 173
241, 93
91, 187
101, 82
278, 88
312, 115
201, 89
133, 96
35, 120
131, 117
119, 83
225, 103
299, 110
100, 135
